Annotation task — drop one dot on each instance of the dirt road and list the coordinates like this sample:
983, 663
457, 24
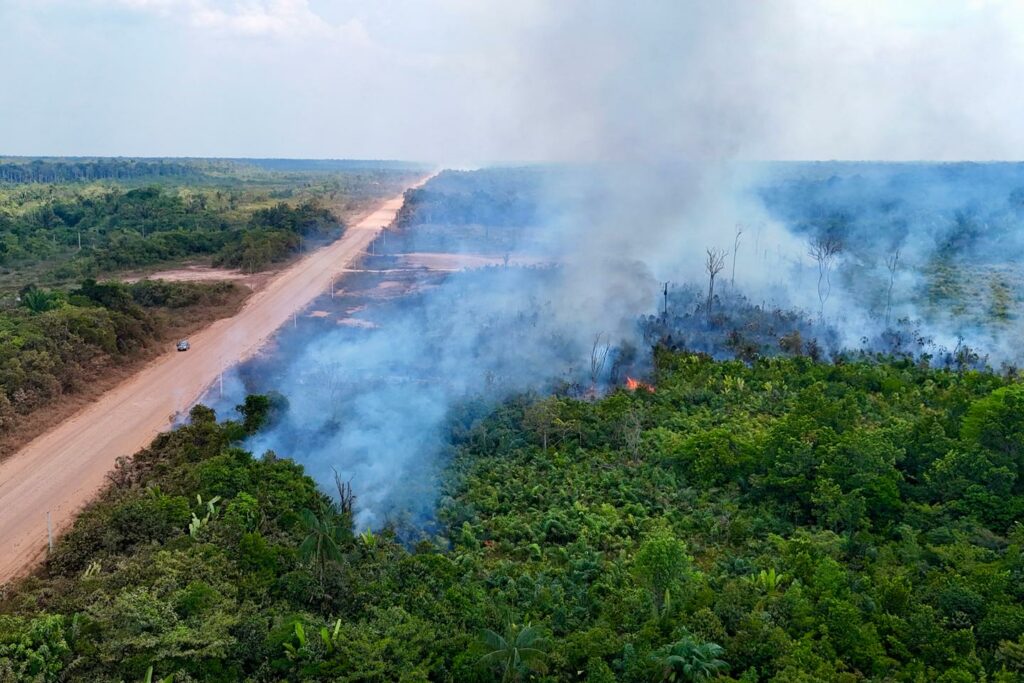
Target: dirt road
64, 468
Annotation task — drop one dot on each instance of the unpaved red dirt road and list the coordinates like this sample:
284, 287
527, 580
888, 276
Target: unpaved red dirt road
63, 469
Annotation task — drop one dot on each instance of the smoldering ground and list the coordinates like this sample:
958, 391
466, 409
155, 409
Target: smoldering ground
370, 400
664, 100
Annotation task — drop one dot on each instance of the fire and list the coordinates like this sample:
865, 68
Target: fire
635, 384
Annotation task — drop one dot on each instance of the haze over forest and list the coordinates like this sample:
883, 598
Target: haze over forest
465, 81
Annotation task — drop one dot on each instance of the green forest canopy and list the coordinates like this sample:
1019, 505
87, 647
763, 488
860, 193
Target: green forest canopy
65, 219
782, 521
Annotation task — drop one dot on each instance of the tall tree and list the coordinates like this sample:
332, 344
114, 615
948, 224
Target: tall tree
891, 263
735, 250
326, 534
714, 263
824, 250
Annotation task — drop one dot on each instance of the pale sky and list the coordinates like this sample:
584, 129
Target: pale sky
466, 81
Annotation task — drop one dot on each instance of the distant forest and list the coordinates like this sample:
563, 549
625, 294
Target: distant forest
114, 229
62, 220
75, 170
85, 169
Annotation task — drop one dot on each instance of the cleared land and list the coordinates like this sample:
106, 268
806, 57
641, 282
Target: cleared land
63, 469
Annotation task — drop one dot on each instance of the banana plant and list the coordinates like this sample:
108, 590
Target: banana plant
769, 580
291, 650
329, 638
368, 538
149, 677
197, 523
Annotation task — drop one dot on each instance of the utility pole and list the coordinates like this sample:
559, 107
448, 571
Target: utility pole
664, 292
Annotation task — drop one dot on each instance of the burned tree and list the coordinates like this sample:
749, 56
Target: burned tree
598, 358
346, 499
735, 249
664, 293
891, 263
714, 263
824, 250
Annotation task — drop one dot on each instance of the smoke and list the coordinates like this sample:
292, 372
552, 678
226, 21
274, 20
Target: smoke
660, 109
672, 102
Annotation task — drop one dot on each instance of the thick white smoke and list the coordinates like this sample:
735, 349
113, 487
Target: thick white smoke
660, 105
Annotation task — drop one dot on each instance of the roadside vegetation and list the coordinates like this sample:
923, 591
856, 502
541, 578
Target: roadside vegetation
70, 228
101, 230
62, 221
783, 520
55, 344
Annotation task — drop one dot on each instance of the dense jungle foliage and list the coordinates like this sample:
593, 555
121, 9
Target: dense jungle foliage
783, 520
120, 229
62, 220
55, 341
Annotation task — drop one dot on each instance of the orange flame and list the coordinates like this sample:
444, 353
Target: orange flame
635, 384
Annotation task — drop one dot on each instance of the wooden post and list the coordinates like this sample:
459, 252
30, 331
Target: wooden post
49, 534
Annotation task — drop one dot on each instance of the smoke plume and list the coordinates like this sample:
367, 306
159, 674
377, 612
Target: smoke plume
660, 109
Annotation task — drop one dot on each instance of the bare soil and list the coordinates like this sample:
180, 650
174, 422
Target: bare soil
198, 273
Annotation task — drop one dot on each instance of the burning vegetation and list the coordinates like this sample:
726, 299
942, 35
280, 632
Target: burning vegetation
637, 385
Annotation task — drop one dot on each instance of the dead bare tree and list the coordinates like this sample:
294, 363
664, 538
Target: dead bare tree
824, 250
891, 263
598, 357
346, 499
735, 249
330, 379
714, 263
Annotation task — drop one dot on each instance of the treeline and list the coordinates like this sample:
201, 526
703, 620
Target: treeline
489, 210
966, 212
495, 196
273, 234
90, 233
779, 521
55, 342
75, 170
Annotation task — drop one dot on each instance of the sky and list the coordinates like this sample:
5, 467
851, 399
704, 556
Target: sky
471, 81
